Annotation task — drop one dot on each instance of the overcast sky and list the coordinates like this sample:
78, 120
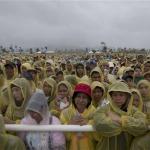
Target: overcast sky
75, 23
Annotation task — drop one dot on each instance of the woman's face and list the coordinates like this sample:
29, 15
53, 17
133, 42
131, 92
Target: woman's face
62, 91
119, 98
81, 101
97, 93
47, 89
17, 94
136, 99
36, 116
144, 90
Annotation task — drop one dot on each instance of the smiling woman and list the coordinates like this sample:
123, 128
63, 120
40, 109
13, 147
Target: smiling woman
79, 113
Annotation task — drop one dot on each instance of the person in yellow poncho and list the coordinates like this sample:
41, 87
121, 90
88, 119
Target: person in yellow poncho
144, 88
62, 99
3, 101
96, 75
118, 122
69, 68
98, 94
80, 72
79, 113
7, 141
19, 94
137, 99
142, 142
49, 89
9, 70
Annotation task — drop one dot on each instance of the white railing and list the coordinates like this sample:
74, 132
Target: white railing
42, 128
66, 128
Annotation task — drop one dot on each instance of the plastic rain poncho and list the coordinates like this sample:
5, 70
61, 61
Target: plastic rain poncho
115, 136
15, 112
7, 141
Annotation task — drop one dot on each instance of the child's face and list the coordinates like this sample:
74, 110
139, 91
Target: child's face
62, 91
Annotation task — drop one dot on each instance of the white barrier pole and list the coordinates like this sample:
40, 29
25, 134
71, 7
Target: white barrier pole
43, 128
40, 128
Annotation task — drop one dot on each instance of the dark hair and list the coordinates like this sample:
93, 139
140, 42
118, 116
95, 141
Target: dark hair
79, 64
59, 73
126, 77
27, 75
75, 95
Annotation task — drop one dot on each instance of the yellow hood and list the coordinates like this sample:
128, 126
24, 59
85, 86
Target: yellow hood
147, 83
140, 107
98, 84
24, 85
68, 85
52, 83
97, 69
120, 87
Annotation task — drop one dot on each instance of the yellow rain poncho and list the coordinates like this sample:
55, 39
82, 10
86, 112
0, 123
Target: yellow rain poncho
111, 134
52, 83
86, 142
53, 105
93, 86
140, 106
7, 141
72, 80
14, 112
146, 99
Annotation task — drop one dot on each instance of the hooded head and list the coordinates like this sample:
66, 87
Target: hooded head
120, 97
49, 85
82, 88
64, 89
25, 89
147, 76
97, 75
137, 99
37, 108
144, 88
97, 84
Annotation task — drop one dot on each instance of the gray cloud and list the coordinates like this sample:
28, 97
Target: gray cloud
71, 24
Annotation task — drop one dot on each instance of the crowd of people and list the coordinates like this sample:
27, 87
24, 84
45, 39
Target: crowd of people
111, 92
